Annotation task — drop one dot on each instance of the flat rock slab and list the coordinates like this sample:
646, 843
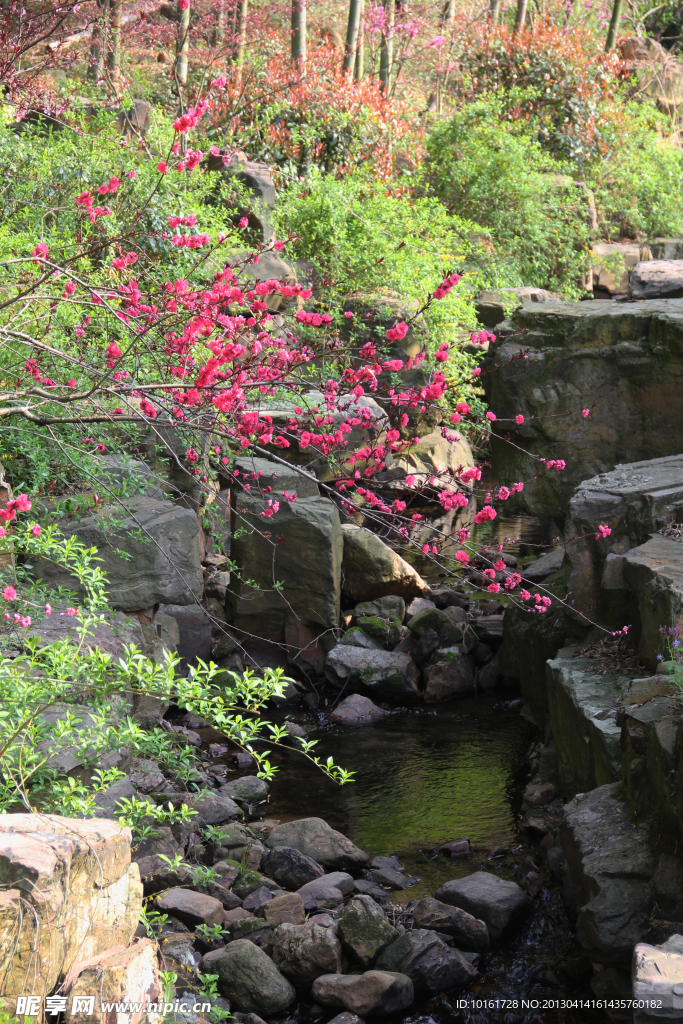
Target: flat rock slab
192, 908
656, 279
502, 905
654, 572
583, 712
634, 500
544, 566
611, 869
657, 974
468, 932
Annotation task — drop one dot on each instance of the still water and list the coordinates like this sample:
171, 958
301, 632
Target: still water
423, 777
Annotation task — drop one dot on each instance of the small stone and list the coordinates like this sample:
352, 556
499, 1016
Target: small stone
502, 905
315, 838
456, 848
390, 863
539, 794
356, 708
338, 880
193, 908
290, 868
392, 879
285, 909
417, 605
379, 992
233, 916
317, 896
467, 931
249, 789
257, 898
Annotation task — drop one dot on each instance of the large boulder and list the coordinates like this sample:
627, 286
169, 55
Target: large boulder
623, 362
300, 546
305, 952
389, 675
611, 869
70, 893
433, 457
430, 964
356, 708
365, 930
490, 305
583, 712
249, 979
467, 931
635, 501
657, 279
315, 838
502, 905
117, 976
161, 541
375, 992
372, 569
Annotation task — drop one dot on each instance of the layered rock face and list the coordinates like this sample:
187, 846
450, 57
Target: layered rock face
70, 893
621, 361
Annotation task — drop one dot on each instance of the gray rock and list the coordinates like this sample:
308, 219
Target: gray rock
656, 279
338, 880
582, 707
430, 964
468, 932
356, 708
305, 952
364, 930
417, 605
307, 561
375, 992
446, 629
123, 476
318, 896
257, 899
212, 807
490, 305
635, 500
449, 674
249, 978
653, 573
249, 788
233, 841
392, 878
501, 905
317, 840
285, 909
390, 607
162, 540
356, 637
289, 867
544, 566
387, 632
346, 1018
371, 569
192, 908
657, 974
109, 800
634, 349
387, 674
390, 863
611, 869
273, 478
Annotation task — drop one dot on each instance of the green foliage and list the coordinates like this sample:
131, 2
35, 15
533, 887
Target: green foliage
65, 705
486, 169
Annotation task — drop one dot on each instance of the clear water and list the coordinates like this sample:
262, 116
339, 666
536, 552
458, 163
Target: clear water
425, 776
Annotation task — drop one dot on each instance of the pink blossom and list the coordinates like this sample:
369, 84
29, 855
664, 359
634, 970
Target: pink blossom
603, 531
491, 416
3, 532
244, 222
436, 41
131, 174
162, 167
463, 408
462, 557
41, 251
348, 314
409, 480
585, 412
486, 513
9, 593
36, 530
25, 621
71, 611
493, 588
48, 609
519, 419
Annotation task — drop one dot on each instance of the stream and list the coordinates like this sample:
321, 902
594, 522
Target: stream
428, 775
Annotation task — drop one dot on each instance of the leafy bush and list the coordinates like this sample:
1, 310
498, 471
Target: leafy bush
323, 119
485, 169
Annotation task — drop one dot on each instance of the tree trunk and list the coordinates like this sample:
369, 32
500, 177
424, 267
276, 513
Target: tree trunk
241, 34
449, 14
352, 36
220, 22
494, 11
360, 47
99, 41
521, 15
386, 56
299, 34
114, 54
183, 45
613, 25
